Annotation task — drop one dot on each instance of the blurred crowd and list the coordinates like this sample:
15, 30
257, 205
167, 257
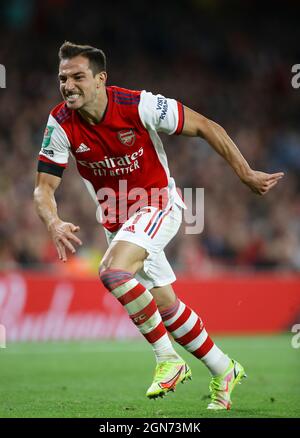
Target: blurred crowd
230, 63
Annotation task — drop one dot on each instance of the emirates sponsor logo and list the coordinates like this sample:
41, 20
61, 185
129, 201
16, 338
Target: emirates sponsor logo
127, 137
114, 166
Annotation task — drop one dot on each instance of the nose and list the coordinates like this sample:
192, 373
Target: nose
69, 84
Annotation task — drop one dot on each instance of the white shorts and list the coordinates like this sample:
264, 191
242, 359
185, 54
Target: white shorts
151, 229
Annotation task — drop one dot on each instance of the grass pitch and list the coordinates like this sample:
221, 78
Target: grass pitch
109, 379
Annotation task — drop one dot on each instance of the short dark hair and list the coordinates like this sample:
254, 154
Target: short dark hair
96, 57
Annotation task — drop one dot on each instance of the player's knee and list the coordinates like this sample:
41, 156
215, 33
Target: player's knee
168, 308
165, 303
112, 278
165, 297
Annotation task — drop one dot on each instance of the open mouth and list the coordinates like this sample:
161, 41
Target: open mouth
71, 98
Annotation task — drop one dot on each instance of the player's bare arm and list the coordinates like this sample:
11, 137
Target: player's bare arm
61, 232
197, 125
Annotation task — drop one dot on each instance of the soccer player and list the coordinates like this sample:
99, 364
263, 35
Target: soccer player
112, 133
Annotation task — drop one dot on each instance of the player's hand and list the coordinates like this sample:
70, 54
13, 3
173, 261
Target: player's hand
260, 182
63, 236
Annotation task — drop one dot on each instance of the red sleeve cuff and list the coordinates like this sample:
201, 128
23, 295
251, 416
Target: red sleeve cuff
46, 160
180, 118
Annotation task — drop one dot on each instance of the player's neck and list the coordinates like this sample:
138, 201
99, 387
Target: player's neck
94, 112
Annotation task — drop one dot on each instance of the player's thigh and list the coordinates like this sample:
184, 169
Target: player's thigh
124, 255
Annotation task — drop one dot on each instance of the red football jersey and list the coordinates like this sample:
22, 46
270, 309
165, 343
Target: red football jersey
121, 159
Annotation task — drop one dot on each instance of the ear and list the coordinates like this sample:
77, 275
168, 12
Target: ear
101, 78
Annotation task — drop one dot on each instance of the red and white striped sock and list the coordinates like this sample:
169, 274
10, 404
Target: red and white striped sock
142, 310
188, 330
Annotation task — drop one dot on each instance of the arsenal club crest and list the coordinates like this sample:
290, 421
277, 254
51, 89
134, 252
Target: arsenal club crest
127, 137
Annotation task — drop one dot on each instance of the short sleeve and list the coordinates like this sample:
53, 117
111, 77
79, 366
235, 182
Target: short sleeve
160, 113
54, 153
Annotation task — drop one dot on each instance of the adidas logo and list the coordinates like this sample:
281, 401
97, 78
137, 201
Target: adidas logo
130, 228
82, 148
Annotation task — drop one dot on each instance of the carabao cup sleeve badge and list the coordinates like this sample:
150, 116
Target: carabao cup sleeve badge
47, 136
